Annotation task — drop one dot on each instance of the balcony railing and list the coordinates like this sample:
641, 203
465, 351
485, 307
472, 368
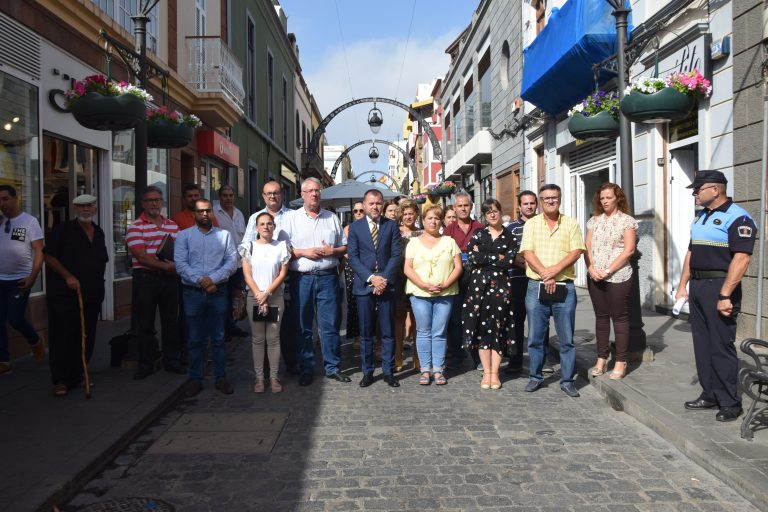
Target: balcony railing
211, 67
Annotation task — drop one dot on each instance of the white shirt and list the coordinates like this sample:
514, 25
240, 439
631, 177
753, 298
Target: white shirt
234, 224
305, 232
252, 234
266, 261
16, 246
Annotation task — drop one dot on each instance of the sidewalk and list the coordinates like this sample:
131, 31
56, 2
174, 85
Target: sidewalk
653, 393
51, 446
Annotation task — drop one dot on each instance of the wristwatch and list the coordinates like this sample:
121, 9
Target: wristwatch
723, 297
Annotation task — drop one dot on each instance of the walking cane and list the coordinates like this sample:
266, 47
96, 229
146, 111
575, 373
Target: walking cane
82, 345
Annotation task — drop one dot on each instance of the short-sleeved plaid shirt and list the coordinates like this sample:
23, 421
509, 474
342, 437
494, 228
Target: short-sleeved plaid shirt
552, 246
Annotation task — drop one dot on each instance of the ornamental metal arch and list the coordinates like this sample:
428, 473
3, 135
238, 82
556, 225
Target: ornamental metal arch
379, 172
408, 160
425, 127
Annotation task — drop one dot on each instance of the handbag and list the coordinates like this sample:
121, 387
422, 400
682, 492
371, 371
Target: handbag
270, 316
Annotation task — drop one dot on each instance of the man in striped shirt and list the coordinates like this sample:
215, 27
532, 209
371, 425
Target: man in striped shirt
154, 286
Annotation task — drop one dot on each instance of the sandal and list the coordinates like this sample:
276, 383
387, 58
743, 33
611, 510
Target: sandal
60, 390
618, 374
599, 368
486, 382
495, 381
425, 379
440, 379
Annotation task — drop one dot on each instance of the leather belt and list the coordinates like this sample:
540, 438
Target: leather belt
708, 274
318, 272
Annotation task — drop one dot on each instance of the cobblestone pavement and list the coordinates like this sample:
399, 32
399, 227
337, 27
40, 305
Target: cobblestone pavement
339, 447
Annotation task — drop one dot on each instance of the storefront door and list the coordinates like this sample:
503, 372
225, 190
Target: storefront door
680, 213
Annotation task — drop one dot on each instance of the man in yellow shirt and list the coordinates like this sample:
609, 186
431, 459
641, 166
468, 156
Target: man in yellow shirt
551, 245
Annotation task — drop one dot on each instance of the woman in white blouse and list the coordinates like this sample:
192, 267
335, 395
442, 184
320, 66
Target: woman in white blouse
265, 266
611, 241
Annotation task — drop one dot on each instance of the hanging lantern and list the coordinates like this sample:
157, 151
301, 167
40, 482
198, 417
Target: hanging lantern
373, 153
375, 119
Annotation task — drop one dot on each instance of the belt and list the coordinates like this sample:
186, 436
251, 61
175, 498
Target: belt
318, 272
708, 274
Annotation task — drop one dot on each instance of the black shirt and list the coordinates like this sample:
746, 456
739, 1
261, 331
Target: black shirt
83, 258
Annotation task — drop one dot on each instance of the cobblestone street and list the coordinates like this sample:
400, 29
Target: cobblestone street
338, 447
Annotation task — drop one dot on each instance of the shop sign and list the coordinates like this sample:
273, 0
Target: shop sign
684, 128
214, 144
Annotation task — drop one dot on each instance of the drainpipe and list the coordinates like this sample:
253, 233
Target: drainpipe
761, 211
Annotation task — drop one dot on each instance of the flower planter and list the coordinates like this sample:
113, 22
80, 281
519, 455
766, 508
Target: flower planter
598, 127
668, 104
444, 191
420, 200
106, 113
166, 134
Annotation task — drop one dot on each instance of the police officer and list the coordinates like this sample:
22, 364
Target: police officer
722, 239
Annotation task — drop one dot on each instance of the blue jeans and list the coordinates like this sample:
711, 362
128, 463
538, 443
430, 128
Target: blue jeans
538, 313
13, 305
431, 315
206, 317
308, 292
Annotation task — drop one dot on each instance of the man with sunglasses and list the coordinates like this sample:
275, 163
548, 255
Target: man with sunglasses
21, 258
722, 240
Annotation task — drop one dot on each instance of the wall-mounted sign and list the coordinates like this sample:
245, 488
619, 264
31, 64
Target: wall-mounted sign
214, 144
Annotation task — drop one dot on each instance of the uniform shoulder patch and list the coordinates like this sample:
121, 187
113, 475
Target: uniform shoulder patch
717, 222
745, 231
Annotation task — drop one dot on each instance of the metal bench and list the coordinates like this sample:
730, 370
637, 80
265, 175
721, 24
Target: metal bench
753, 383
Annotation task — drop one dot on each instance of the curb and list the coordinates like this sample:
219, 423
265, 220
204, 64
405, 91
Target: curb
743, 478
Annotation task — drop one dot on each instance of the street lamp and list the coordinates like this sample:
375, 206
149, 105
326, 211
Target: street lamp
375, 119
373, 154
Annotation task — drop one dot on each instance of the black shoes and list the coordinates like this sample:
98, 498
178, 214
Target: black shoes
729, 413
391, 381
174, 367
142, 372
533, 385
699, 404
569, 388
306, 380
338, 376
367, 380
224, 386
194, 387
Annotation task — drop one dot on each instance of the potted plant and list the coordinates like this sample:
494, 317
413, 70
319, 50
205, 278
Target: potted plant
596, 117
420, 198
652, 100
169, 128
443, 189
100, 104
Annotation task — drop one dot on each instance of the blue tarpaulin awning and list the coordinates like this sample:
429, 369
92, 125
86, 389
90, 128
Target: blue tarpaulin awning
557, 65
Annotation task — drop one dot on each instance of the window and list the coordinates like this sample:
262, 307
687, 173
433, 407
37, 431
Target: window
485, 89
469, 108
449, 146
285, 113
270, 95
122, 10
298, 130
250, 70
19, 151
457, 118
505, 70
541, 14
304, 138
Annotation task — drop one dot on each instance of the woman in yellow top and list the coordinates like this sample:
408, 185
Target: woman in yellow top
432, 266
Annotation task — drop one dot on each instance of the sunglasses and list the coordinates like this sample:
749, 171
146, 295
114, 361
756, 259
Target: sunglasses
358, 211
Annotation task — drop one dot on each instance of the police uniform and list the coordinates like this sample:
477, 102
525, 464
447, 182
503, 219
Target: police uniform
716, 235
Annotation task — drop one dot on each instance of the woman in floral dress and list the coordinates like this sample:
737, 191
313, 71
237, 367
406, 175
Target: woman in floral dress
486, 318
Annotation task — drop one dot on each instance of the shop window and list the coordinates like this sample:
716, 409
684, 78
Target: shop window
124, 191
19, 144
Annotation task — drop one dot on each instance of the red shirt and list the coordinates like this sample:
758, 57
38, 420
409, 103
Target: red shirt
462, 239
144, 233
186, 219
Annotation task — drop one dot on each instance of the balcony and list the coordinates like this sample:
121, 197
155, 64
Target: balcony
216, 77
476, 151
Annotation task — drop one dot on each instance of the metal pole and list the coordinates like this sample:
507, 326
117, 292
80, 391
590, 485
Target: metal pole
638, 348
761, 220
140, 132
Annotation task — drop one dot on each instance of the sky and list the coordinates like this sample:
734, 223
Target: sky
350, 49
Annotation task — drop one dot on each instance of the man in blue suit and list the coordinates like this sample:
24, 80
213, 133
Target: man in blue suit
375, 254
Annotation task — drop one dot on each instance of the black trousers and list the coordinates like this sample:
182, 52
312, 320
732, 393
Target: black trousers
519, 287
153, 291
717, 362
65, 341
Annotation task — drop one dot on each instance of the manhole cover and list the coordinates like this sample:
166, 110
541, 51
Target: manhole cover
128, 505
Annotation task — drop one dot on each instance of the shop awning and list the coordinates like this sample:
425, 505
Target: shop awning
557, 66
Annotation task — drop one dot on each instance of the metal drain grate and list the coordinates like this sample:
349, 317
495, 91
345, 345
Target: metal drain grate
128, 505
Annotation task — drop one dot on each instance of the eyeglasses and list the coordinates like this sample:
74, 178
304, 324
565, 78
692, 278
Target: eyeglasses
358, 211
697, 190
550, 199
8, 226
492, 212
205, 210
272, 193
312, 191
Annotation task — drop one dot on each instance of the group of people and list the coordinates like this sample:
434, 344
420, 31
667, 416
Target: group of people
463, 286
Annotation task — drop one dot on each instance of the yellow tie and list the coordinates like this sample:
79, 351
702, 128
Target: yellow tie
375, 238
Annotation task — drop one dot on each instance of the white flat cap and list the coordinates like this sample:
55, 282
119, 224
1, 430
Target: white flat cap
84, 199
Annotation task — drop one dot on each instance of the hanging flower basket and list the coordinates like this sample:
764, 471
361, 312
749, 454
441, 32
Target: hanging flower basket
100, 104
105, 113
651, 100
444, 189
169, 128
598, 127
420, 199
